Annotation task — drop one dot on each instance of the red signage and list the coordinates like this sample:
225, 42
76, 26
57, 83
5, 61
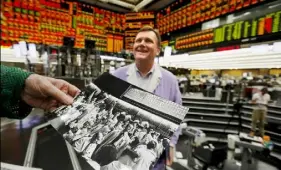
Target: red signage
228, 48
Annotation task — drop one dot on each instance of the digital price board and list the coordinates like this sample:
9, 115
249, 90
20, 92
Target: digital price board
196, 39
246, 29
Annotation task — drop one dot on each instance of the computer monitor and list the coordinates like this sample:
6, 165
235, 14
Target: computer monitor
68, 41
90, 44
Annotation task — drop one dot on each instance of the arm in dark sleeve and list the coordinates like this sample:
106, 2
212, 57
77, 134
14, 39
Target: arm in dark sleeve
12, 84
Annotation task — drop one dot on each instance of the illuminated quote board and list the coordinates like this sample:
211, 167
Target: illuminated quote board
246, 29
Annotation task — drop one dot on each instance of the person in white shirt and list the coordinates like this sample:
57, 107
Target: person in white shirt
147, 156
148, 137
82, 143
260, 99
125, 162
95, 141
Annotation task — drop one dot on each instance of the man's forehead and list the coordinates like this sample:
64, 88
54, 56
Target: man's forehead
146, 34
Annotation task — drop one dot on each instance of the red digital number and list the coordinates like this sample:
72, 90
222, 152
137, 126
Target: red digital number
247, 3
268, 25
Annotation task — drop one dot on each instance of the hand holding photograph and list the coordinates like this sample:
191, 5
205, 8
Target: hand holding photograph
114, 125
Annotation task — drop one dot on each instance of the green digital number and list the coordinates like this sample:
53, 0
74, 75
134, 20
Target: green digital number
229, 32
17, 9
239, 35
223, 33
218, 35
254, 28
237, 30
276, 22
74, 22
247, 25
24, 11
31, 12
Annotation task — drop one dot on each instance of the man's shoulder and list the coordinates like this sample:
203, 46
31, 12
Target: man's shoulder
120, 71
167, 74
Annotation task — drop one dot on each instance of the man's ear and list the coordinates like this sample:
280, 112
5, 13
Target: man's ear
158, 51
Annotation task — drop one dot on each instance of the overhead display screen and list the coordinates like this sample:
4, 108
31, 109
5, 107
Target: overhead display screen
247, 29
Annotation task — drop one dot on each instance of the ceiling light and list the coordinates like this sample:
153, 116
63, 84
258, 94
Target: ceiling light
234, 59
274, 6
142, 4
120, 3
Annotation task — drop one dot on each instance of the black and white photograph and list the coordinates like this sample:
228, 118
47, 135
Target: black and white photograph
111, 133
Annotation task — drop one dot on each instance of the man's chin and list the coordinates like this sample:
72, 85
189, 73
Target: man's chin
141, 57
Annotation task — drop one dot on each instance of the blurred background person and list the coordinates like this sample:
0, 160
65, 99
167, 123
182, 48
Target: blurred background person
147, 156
260, 100
124, 162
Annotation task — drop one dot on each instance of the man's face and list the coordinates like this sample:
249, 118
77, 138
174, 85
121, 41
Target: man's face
74, 130
72, 124
86, 124
145, 46
130, 128
137, 132
104, 120
111, 116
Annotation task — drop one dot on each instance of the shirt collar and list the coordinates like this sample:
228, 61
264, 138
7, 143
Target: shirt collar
152, 70
155, 69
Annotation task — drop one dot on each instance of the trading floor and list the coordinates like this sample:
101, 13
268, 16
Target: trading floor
126, 65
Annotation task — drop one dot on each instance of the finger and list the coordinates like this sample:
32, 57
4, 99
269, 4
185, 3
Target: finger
73, 90
59, 95
48, 104
52, 109
69, 88
55, 105
59, 105
64, 88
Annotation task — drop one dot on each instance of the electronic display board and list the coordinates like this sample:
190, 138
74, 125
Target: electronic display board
247, 29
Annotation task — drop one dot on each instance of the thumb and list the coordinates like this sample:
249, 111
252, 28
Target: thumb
59, 95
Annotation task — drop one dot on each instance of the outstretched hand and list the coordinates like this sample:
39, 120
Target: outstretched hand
47, 93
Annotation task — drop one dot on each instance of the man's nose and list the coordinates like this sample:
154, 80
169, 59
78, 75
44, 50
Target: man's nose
142, 42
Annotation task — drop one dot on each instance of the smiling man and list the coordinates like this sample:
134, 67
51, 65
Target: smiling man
149, 76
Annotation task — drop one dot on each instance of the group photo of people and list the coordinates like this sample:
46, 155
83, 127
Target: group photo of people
111, 134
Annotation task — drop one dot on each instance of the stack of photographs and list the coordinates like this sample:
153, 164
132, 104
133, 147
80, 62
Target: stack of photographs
118, 127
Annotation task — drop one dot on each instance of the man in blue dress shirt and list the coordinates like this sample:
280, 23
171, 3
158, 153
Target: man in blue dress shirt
149, 76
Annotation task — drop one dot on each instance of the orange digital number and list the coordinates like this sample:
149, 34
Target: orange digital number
261, 26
